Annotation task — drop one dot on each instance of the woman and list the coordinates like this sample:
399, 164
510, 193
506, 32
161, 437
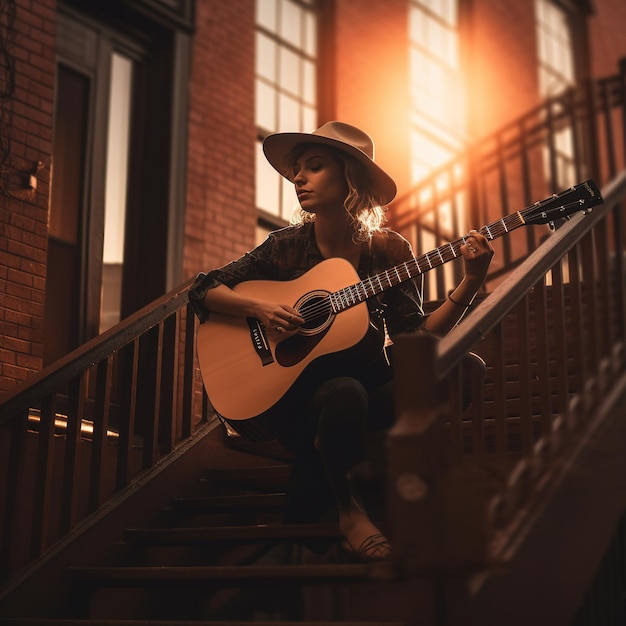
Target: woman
341, 193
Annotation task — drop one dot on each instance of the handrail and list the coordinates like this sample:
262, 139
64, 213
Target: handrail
64, 369
166, 413
132, 392
472, 490
567, 138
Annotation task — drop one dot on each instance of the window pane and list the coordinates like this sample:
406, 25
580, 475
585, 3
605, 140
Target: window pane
266, 14
310, 37
554, 47
555, 52
289, 71
267, 187
290, 199
286, 93
309, 119
309, 92
261, 234
117, 158
288, 111
70, 136
265, 57
290, 26
437, 122
265, 106
115, 189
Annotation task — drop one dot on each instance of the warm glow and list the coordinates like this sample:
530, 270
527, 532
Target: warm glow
438, 123
286, 87
117, 158
60, 425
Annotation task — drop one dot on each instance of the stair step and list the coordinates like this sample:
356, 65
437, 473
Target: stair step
238, 576
234, 534
264, 501
260, 473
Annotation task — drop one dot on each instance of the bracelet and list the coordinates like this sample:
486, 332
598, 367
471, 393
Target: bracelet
465, 306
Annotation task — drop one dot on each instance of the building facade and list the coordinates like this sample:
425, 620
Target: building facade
130, 130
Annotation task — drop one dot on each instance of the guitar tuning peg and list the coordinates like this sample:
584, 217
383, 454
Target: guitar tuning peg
568, 217
551, 226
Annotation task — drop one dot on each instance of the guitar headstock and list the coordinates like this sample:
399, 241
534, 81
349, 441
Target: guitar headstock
581, 197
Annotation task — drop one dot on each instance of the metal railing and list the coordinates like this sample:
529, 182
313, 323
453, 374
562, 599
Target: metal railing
576, 135
130, 396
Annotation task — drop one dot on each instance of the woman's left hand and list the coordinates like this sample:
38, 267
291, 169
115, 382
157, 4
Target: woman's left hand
477, 254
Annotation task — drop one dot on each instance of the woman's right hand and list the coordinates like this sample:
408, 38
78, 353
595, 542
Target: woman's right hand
278, 318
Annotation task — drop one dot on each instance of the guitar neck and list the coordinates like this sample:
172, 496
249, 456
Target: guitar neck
373, 285
580, 197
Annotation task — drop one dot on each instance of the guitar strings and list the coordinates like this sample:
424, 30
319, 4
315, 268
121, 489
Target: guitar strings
351, 294
361, 291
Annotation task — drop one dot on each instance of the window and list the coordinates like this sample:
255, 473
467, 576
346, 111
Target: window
555, 50
556, 73
116, 179
286, 93
120, 113
88, 208
437, 119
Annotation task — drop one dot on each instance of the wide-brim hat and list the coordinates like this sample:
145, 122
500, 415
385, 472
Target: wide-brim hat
337, 135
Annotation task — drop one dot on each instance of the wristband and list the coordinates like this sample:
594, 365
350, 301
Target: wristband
466, 306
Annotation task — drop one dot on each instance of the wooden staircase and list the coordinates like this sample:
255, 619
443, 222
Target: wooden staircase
218, 552
222, 553
156, 526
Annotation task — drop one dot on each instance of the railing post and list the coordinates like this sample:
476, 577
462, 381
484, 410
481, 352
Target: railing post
622, 89
15, 433
437, 514
416, 458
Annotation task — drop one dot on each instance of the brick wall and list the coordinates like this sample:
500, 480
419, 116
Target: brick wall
607, 28
221, 211
27, 132
499, 59
370, 90
372, 70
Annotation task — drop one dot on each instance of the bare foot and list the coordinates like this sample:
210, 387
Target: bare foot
362, 536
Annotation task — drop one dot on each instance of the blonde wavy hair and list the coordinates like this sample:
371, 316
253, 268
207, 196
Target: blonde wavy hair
364, 209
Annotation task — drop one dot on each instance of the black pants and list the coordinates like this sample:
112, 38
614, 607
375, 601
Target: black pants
328, 439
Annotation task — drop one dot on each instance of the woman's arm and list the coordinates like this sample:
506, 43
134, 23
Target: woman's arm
223, 299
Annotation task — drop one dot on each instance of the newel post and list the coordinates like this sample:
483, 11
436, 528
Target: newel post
416, 458
437, 503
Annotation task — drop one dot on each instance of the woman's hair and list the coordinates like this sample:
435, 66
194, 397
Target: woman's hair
362, 206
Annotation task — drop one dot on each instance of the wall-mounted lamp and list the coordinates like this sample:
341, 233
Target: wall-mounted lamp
30, 176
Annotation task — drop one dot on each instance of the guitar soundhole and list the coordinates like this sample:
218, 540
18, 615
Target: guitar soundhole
317, 312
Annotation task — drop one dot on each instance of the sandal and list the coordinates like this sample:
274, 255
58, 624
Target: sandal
369, 550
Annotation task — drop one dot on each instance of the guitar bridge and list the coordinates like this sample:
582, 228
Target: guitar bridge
259, 340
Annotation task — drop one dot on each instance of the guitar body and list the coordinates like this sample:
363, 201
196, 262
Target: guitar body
251, 375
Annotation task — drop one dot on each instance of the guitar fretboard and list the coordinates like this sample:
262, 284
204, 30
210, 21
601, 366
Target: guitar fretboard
580, 197
373, 285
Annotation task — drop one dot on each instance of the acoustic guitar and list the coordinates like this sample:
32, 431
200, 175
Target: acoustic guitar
251, 376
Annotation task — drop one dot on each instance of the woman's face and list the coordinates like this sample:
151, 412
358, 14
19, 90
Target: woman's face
319, 180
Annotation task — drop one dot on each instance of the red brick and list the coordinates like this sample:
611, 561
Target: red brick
220, 216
